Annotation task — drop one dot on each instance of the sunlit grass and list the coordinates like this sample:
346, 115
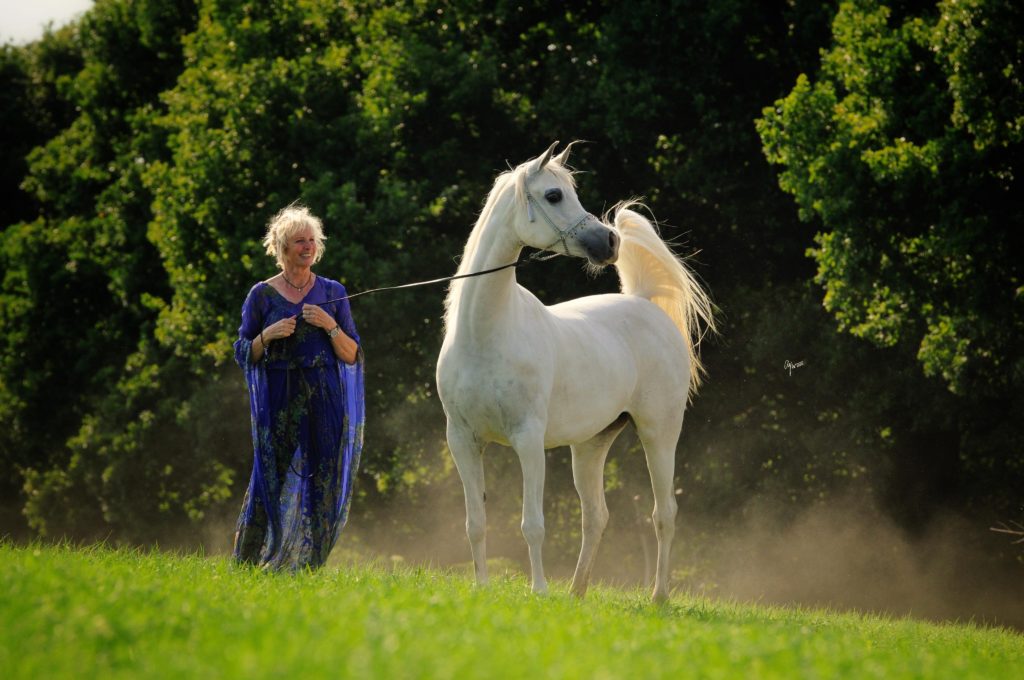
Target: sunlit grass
99, 612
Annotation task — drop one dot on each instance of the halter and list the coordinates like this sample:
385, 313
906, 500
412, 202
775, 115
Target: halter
562, 235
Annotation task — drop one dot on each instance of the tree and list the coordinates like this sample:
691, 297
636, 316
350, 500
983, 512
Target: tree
76, 277
177, 129
904, 148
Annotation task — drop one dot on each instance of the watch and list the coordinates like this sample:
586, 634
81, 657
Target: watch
334, 331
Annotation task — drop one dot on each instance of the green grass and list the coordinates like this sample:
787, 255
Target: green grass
99, 612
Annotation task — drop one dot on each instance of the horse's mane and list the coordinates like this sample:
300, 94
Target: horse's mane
497, 207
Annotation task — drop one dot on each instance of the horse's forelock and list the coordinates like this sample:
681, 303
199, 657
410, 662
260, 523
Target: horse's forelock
522, 174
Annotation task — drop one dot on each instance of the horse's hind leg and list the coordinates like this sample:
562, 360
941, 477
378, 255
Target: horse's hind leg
468, 454
659, 440
588, 474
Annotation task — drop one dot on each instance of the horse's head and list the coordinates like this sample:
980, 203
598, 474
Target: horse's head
551, 216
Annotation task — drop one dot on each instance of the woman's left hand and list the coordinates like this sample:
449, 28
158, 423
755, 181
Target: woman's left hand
316, 316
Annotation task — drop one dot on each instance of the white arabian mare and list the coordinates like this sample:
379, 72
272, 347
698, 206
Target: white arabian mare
519, 373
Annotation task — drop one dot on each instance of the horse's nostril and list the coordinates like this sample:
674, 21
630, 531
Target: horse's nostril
613, 240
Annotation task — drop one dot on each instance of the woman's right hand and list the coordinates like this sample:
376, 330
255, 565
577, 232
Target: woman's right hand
279, 329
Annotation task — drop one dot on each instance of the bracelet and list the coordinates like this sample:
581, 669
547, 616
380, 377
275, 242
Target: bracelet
262, 341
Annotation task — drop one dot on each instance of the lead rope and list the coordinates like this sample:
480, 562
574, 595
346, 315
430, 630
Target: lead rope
535, 257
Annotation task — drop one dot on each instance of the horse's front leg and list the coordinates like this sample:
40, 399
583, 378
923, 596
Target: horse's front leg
468, 454
529, 445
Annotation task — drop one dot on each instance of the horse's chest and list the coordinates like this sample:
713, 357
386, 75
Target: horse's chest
493, 399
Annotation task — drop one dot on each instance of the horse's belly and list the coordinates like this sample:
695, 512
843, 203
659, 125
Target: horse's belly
586, 406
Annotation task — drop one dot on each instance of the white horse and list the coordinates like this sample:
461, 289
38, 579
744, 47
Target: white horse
519, 373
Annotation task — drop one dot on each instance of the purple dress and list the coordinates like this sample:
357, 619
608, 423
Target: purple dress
307, 410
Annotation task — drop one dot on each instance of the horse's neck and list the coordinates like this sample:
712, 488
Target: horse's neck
486, 302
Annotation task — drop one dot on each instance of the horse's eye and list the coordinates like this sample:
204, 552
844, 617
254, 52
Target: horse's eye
553, 195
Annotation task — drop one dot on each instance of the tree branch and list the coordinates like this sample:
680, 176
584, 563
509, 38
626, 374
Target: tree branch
1013, 529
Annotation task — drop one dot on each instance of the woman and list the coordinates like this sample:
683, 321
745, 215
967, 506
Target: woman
303, 365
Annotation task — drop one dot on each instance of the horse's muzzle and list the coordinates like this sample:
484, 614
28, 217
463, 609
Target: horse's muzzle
601, 244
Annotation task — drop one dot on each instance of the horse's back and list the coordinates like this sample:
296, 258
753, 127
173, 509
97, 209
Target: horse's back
633, 324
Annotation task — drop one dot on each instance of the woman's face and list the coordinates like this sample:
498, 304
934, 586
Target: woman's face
300, 249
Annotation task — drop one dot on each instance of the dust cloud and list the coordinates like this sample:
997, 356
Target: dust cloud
847, 555
842, 553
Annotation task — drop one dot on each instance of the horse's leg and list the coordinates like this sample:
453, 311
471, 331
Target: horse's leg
659, 443
588, 474
468, 454
529, 445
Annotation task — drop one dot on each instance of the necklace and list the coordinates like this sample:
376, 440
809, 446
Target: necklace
303, 286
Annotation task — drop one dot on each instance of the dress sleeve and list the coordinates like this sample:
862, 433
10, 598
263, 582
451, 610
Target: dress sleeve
342, 313
252, 324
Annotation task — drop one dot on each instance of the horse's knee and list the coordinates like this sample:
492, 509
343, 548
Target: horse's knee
595, 520
664, 516
533, 531
476, 530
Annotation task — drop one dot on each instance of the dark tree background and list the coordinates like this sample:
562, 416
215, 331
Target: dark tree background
865, 223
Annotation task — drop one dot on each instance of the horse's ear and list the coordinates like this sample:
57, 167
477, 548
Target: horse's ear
542, 160
563, 157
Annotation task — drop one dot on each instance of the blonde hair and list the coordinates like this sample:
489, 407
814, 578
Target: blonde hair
286, 224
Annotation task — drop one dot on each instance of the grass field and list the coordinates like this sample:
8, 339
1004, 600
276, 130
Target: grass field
99, 613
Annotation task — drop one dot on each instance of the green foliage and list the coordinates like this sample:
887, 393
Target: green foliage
904, 149
76, 278
154, 139
99, 612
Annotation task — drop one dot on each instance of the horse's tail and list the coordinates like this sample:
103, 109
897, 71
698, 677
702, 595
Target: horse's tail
649, 269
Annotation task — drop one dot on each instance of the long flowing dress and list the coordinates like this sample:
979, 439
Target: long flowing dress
307, 409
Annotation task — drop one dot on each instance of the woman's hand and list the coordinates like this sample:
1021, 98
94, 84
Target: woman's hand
316, 316
279, 329
345, 348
